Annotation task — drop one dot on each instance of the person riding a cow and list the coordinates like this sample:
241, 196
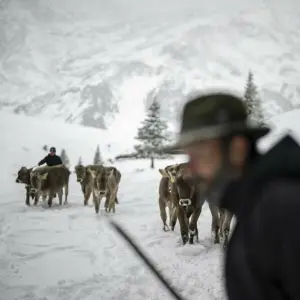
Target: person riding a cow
51, 159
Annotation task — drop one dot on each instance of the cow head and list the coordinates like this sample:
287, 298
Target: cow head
101, 179
23, 175
36, 179
178, 176
80, 173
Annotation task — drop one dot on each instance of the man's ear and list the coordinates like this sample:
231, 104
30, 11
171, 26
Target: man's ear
238, 150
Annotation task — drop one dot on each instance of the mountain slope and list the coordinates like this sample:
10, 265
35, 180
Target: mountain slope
87, 64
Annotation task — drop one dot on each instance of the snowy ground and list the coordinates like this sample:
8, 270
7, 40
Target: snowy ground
69, 253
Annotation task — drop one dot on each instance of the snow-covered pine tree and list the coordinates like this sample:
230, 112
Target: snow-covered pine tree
79, 161
152, 134
252, 101
45, 148
64, 157
97, 157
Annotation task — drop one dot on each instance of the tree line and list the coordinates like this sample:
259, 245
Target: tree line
153, 134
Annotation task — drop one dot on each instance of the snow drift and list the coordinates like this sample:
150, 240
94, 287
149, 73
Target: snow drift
69, 253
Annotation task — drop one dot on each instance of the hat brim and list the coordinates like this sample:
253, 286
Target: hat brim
189, 138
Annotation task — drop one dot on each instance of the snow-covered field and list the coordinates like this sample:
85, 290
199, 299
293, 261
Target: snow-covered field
69, 253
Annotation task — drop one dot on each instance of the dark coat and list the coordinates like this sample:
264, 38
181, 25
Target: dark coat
263, 255
51, 160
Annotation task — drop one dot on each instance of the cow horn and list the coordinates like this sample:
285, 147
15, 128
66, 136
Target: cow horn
163, 173
172, 178
44, 176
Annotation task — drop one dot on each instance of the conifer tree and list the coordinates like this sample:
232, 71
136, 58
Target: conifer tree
152, 134
252, 100
97, 157
64, 157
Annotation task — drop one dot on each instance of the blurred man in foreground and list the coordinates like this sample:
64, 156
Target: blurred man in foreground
263, 192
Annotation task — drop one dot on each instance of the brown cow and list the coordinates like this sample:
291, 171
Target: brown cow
186, 202
87, 180
166, 200
189, 204
24, 178
221, 218
107, 180
51, 180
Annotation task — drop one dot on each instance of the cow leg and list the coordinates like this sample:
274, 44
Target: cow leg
87, 194
50, 198
112, 202
82, 188
97, 201
37, 198
193, 229
173, 217
163, 214
183, 222
66, 193
94, 196
215, 225
60, 196
170, 211
221, 221
107, 197
44, 197
117, 200
226, 227
27, 201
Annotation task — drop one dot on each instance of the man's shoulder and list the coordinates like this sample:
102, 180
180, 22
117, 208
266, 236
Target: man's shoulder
281, 197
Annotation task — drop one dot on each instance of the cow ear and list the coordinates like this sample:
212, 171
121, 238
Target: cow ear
44, 176
163, 172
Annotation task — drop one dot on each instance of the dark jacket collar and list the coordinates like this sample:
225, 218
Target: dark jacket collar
281, 161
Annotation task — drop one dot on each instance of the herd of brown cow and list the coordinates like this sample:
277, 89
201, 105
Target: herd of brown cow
46, 181
177, 193
180, 195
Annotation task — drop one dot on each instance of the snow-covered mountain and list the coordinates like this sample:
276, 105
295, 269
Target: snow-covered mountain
88, 62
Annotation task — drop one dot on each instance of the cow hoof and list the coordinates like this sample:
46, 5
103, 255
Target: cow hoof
166, 228
216, 241
28, 204
225, 243
185, 239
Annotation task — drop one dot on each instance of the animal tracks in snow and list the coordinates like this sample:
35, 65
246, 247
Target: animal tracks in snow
70, 253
